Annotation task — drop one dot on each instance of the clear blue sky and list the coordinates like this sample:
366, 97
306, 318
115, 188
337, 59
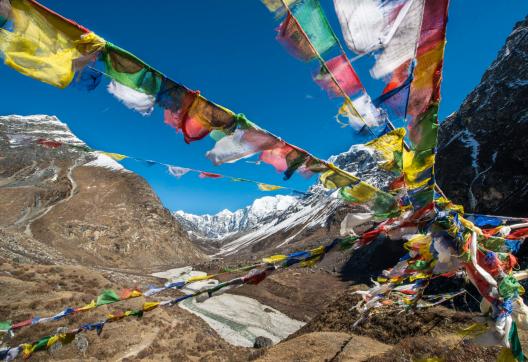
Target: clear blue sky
227, 50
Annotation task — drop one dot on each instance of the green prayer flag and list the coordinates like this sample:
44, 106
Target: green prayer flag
40, 344
5, 326
131, 71
107, 297
509, 287
515, 343
313, 22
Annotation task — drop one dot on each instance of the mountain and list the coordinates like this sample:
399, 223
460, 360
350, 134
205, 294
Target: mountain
64, 204
491, 172
283, 221
488, 136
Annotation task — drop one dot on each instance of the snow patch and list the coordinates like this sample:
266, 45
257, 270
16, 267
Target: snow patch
105, 162
240, 320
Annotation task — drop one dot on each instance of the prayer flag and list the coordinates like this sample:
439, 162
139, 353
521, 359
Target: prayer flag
338, 77
266, 187
178, 171
204, 174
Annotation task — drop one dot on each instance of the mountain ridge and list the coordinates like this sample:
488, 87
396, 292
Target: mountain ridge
72, 205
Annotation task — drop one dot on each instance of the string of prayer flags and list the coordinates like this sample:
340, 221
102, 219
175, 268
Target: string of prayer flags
253, 277
175, 171
139, 86
424, 97
306, 33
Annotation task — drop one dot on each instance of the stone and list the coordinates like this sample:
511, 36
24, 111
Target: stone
262, 342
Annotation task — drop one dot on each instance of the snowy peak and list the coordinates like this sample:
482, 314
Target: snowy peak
23, 131
277, 221
226, 222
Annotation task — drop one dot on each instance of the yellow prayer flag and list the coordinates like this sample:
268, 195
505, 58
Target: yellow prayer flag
360, 193
27, 350
148, 306
135, 294
199, 277
506, 355
388, 145
41, 45
266, 187
115, 156
474, 330
335, 178
88, 306
317, 251
54, 339
274, 259
417, 169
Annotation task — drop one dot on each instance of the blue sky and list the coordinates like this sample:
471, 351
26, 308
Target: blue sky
227, 50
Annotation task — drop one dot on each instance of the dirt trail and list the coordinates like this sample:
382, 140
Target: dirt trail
35, 213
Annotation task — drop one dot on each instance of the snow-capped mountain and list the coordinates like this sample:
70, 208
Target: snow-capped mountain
22, 131
282, 220
226, 222
61, 203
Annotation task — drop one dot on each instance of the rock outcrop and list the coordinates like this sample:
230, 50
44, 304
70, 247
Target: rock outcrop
482, 161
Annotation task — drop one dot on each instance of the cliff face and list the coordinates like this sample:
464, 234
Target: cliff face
482, 161
65, 204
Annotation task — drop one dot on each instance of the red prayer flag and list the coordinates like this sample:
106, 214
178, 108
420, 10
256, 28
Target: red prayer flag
291, 35
204, 174
49, 143
338, 76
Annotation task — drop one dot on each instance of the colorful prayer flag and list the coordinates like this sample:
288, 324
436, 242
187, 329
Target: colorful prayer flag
40, 46
107, 297
115, 156
204, 174
314, 25
178, 171
130, 71
133, 99
266, 187
337, 76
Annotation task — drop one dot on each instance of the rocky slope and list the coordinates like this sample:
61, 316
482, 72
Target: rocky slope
64, 204
282, 222
488, 135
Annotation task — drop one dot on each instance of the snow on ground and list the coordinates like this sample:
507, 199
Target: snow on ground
308, 216
238, 320
106, 162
